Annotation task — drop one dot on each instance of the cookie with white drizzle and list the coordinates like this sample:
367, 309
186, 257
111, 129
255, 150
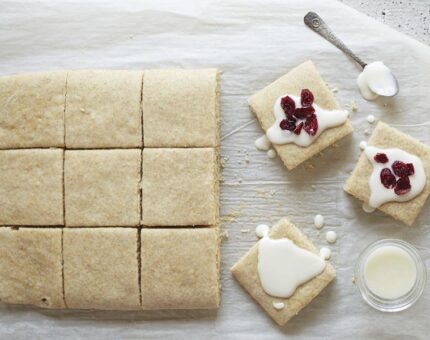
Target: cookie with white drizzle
397, 191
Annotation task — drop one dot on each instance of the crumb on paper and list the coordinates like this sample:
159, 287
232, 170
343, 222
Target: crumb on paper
244, 231
334, 90
354, 106
223, 235
353, 279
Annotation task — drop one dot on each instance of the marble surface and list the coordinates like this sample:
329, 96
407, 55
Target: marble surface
409, 17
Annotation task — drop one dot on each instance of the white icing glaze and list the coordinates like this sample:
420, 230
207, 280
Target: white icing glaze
261, 230
271, 153
363, 144
319, 221
390, 272
371, 119
367, 208
331, 236
376, 79
282, 266
325, 253
326, 119
378, 193
262, 143
278, 305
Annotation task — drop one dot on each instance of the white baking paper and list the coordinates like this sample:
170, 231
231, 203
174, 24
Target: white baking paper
253, 42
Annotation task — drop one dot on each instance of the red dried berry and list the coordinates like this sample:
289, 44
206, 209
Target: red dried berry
298, 128
388, 180
381, 158
311, 124
306, 98
288, 124
303, 112
403, 186
411, 168
400, 169
288, 105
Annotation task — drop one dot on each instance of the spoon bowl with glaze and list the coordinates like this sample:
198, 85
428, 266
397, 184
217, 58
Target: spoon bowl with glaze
375, 80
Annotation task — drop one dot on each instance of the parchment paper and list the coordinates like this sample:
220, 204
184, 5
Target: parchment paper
253, 42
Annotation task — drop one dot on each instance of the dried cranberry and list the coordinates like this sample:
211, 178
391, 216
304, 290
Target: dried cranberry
311, 124
388, 180
306, 98
411, 168
298, 128
288, 105
403, 186
381, 158
400, 169
303, 112
288, 124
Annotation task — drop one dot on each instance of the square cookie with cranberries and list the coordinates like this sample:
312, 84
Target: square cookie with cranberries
396, 175
303, 132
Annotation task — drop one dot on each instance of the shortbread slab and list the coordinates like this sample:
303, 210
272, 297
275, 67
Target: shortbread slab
180, 187
357, 184
180, 268
304, 76
103, 109
101, 268
180, 108
246, 273
102, 187
31, 187
32, 110
30, 267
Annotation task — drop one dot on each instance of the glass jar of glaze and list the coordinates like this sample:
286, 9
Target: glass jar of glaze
377, 289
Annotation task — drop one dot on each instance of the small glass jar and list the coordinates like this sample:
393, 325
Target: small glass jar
391, 305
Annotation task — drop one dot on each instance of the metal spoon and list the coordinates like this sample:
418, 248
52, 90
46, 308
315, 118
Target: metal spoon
316, 24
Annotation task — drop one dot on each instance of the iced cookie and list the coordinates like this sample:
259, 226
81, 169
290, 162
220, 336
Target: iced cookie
392, 174
283, 272
300, 115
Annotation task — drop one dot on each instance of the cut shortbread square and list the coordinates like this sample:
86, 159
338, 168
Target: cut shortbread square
245, 271
102, 187
101, 268
180, 108
304, 76
32, 110
180, 268
180, 187
103, 109
357, 184
31, 187
30, 267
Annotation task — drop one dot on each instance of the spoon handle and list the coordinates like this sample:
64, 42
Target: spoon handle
316, 24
